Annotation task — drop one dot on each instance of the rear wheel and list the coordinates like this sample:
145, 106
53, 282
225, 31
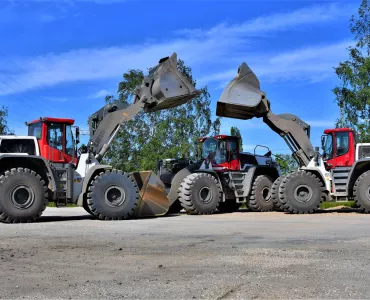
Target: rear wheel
278, 206
112, 195
228, 206
23, 196
301, 192
361, 191
260, 196
200, 193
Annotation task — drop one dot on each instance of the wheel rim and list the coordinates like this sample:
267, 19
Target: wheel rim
115, 196
266, 194
205, 194
303, 193
22, 197
368, 193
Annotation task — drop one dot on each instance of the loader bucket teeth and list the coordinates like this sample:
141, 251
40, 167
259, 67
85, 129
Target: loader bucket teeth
241, 96
153, 198
165, 87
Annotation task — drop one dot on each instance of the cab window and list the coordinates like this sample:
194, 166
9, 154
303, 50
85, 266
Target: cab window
69, 141
233, 149
55, 135
342, 143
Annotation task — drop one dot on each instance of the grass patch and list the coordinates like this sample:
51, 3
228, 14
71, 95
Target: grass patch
52, 204
350, 204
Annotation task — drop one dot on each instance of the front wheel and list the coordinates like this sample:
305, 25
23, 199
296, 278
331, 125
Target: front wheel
361, 191
301, 192
200, 194
112, 195
23, 196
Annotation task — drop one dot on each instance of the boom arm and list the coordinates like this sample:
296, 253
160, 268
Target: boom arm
243, 99
165, 87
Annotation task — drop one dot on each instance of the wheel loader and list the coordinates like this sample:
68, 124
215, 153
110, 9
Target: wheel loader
46, 165
222, 179
343, 170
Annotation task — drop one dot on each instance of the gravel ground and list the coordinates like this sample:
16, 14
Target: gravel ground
244, 255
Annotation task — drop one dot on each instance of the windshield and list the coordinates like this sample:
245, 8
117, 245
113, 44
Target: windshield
35, 130
215, 150
328, 147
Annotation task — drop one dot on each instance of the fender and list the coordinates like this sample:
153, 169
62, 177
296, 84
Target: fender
31, 162
319, 169
359, 167
90, 173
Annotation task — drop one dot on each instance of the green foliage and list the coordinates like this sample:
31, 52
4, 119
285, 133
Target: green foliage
234, 131
286, 162
170, 133
4, 128
350, 204
353, 94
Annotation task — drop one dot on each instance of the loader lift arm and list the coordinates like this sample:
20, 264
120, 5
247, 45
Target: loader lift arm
164, 87
243, 99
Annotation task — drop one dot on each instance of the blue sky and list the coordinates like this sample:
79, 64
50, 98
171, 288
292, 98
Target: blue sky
60, 58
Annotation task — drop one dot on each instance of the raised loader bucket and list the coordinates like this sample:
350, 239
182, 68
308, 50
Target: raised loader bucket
153, 198
165, 87
241, 97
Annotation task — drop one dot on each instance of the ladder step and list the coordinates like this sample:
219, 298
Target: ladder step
340, 181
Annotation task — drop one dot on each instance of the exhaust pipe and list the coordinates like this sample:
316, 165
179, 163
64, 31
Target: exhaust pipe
242, 97
165, 87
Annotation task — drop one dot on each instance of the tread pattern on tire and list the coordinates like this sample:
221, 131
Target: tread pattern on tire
287, 205
8, 219
253, 203
356, 198
94, 211
185, 190
275, 194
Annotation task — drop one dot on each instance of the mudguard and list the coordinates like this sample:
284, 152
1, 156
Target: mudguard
359, 167
23, 160
90, 173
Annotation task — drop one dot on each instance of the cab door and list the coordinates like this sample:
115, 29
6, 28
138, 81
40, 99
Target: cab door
54, 142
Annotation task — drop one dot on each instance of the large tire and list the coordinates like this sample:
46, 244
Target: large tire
200, 194
228, 206
278, 206
301, 192
361, 191
86, 207
23, 196
112, 195
260, 196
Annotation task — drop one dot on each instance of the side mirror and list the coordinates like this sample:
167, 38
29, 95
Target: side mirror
323, 138
77, 135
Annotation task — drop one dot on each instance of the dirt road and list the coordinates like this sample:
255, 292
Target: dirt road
225, 256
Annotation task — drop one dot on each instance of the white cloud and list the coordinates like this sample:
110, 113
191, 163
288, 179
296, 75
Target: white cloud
199, 49
278, 21
100, 94
55, 99
311, 64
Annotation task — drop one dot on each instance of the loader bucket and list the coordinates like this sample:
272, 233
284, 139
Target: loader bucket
165, 87
153, 198
241, 97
